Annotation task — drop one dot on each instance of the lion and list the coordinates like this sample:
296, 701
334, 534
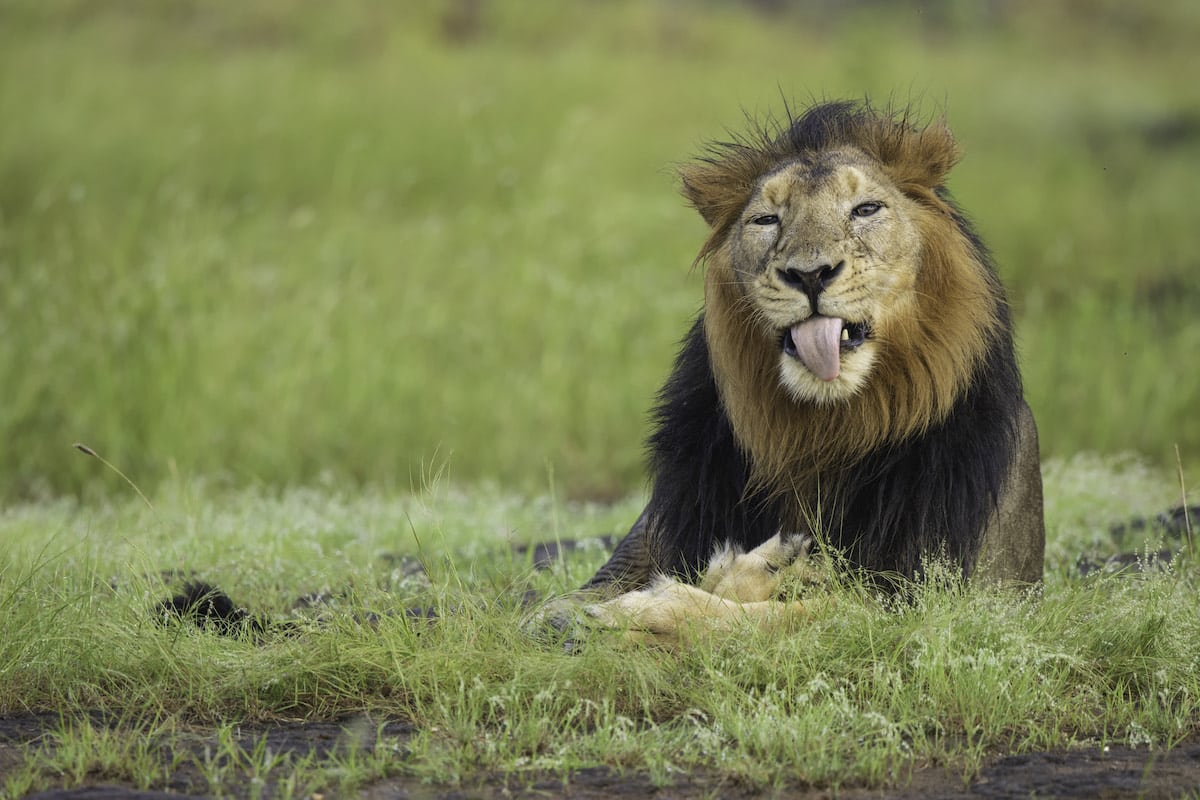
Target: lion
849, 386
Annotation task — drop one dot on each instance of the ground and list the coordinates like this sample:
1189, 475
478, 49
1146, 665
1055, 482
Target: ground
1087, 773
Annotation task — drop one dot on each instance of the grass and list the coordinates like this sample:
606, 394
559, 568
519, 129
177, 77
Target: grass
272, 245
863, 695
351, 288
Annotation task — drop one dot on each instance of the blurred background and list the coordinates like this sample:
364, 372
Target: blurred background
279, 242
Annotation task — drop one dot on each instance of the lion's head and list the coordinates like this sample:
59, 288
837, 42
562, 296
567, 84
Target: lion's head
844, 293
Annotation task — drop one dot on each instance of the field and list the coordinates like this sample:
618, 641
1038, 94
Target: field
367, 298
98, 687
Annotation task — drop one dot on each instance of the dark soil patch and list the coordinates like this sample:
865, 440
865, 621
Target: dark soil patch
1092, 773
21, 735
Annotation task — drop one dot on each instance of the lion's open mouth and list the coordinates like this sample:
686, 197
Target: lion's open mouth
818, 343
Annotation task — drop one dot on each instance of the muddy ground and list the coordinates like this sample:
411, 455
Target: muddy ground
1116, 773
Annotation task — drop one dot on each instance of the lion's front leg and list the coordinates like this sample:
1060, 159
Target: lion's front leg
736, 588
669, 610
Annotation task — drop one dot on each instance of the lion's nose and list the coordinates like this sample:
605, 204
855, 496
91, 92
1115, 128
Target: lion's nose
812, 281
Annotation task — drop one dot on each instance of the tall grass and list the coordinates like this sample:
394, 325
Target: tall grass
280, 243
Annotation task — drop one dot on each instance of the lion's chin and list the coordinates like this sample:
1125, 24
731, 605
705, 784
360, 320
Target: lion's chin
805, 387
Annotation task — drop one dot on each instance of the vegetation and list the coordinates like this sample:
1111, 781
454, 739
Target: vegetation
352, 288
270, 243
867, 692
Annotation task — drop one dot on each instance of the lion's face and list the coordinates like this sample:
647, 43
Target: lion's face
826, 253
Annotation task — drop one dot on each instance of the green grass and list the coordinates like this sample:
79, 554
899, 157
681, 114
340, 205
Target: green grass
863, 695
276, 244
344, 287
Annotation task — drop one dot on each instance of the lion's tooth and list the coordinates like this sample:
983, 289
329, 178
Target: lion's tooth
845, 334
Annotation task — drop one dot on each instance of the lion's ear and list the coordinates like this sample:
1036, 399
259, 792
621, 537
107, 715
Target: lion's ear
719, 184
920, 158
707, 188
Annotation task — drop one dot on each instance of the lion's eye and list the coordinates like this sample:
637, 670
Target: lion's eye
765, 219
866, 209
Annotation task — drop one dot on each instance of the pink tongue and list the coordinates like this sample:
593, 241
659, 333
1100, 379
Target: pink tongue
818, 342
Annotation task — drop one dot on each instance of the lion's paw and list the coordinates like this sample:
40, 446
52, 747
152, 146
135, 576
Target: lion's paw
754, 576
561, 621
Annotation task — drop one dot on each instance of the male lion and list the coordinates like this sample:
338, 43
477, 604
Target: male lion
850, 382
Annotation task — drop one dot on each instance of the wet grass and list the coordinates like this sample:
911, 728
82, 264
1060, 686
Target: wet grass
864, 694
